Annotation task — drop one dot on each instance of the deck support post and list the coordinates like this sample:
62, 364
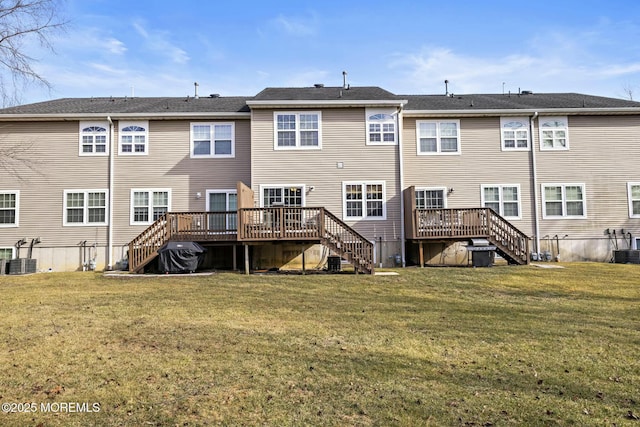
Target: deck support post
421, 253
235, 258
303, 267
246, 259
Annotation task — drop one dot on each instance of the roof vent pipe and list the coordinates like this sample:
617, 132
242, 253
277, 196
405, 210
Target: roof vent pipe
446, 88
344, 80
195, 85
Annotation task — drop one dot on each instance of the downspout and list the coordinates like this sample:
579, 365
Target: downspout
534, 169
111, 185
401, 173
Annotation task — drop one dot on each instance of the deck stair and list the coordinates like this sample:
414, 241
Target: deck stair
254, 225
471, 223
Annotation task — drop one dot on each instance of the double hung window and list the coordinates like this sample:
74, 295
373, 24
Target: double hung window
438, 137
515, 133
9, 203
215, 140
133, 137
504, 199
381, 127
633, 189
94, 139
364, 200
430, 198
85, 207
297, 130
564, 201
554, 133
147, 205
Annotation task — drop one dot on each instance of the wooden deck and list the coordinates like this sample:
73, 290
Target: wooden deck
424, 225
466, 224
254, 225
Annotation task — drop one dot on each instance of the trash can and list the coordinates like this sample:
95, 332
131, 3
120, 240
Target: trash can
334, 263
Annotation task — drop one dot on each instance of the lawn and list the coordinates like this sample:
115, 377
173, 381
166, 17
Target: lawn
435, 346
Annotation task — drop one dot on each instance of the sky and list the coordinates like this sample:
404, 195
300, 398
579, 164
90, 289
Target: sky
149, 48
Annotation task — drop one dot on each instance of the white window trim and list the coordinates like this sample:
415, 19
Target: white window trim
83, 125
501, 199
151, 191
85, 215
13, 251
364, 217
142, 124
541, 122
444, 193
302, 186
17, 208
210, 192
297, 146
212, 155
525, 122
630, 200
438, 139
564, 201
390, 111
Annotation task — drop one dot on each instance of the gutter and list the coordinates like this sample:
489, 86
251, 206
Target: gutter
470, 112
129, 116
111, 185
401, 173
534, 177
325, 103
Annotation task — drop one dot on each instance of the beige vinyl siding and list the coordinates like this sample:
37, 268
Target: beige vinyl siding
53, 154
481, 162
169, 166
343, 140
604, 155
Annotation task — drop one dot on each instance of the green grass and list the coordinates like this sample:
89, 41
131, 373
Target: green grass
435, 346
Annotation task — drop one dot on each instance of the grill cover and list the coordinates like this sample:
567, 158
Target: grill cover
180, 257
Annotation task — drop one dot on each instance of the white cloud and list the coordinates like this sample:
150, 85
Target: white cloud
115, 46
296, 26
552, 70
157, 41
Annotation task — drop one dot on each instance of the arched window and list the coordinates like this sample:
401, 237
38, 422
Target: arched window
514, 133
94, 139
381, 127
133, 138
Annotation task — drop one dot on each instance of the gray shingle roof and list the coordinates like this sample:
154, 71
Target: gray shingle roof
514, 101
232, 104
333, 93
238, 104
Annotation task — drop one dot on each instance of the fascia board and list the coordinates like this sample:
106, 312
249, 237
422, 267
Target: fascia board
119, 116
520, 112
326, 103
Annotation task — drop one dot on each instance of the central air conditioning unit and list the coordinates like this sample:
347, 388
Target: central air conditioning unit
22, 266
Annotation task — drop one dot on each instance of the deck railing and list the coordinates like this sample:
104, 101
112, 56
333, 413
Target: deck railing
434, 224
281, 223
254, 225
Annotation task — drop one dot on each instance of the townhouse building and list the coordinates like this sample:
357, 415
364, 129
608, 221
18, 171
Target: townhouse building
292, 176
